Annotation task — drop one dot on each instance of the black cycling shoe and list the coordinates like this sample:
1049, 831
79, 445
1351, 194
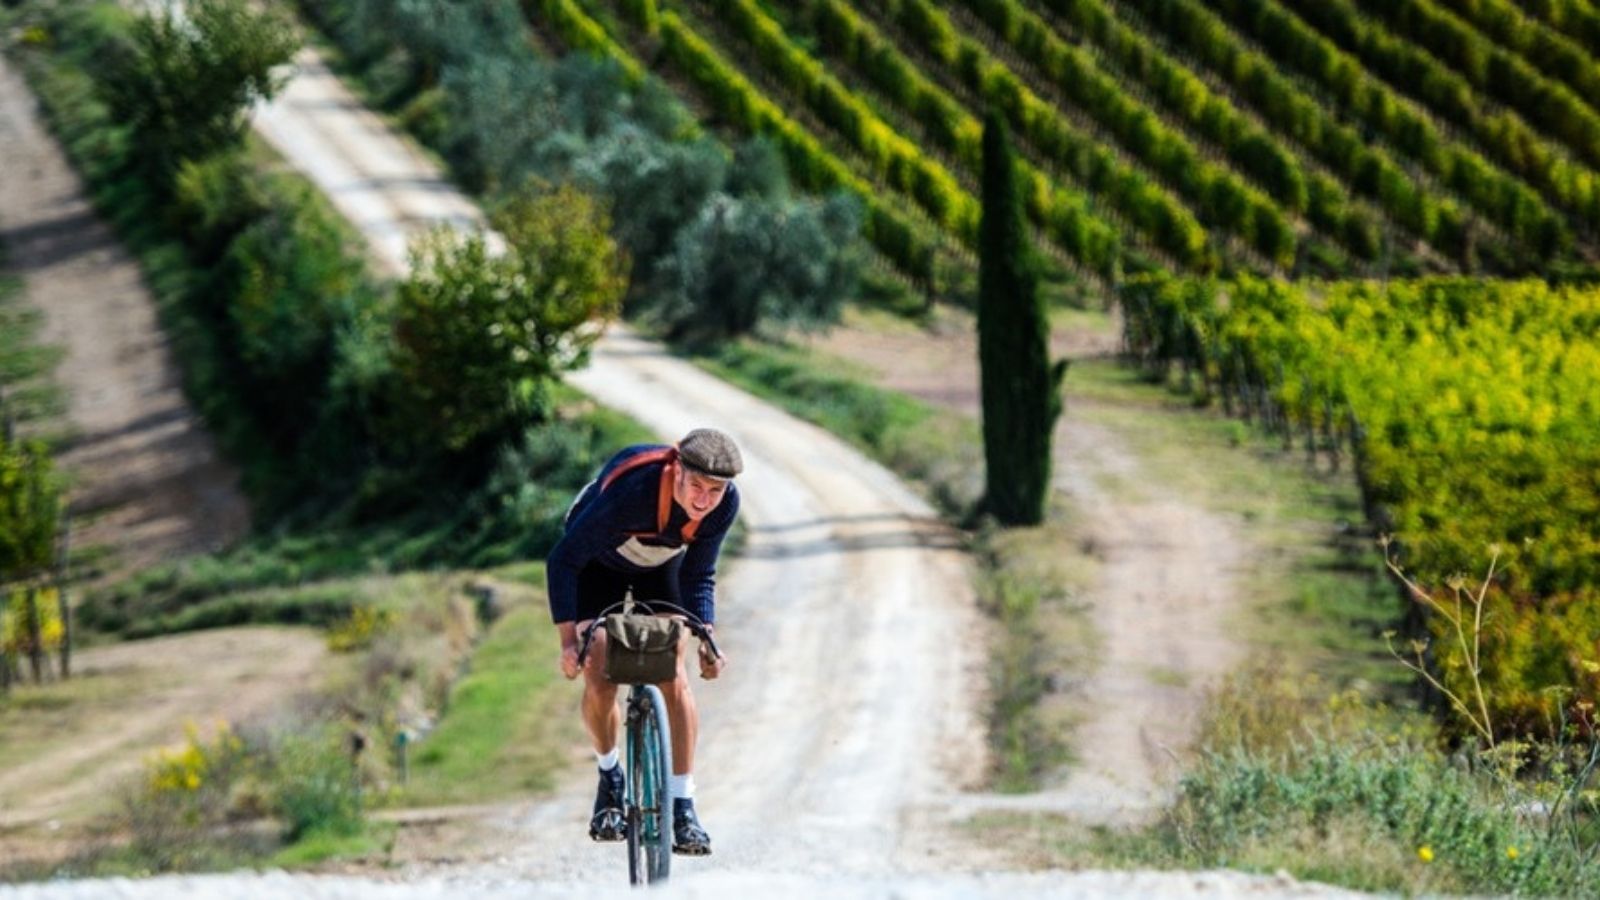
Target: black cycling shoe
688, 838
608, 823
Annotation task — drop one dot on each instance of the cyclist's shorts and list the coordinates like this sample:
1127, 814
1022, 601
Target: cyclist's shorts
600, 586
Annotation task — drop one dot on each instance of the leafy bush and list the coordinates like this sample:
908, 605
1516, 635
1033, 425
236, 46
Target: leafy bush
660, 187
480, 338
188, 793
743, 262
313, 785
214, 199
303, 606
290, 283
184, 81
30, 508
366, 623
23, 604
181, 816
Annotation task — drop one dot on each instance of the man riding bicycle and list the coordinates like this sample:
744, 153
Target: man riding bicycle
651, 522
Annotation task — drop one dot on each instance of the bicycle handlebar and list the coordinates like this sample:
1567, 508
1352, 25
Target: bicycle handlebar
697, 627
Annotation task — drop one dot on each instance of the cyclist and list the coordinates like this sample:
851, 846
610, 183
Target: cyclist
652, 521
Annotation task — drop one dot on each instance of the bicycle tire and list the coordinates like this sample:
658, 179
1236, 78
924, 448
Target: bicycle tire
650, 792
636, 867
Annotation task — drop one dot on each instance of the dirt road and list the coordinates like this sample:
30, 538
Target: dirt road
147, 480
127, 700
1167, 580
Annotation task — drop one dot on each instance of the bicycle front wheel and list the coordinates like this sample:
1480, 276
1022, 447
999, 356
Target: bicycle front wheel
650, 794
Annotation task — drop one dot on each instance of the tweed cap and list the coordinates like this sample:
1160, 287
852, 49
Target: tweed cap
710, 452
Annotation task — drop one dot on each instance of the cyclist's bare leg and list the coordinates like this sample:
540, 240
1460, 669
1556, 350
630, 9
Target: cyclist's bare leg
682, 712
600, 713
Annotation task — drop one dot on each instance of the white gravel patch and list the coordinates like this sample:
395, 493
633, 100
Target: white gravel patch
1059, 885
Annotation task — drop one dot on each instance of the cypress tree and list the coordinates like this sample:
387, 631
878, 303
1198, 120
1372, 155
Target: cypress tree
1021, 389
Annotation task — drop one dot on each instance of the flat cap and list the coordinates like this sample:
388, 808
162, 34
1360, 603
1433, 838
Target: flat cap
710, 452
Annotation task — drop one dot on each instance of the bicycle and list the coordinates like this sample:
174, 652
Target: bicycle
647, 809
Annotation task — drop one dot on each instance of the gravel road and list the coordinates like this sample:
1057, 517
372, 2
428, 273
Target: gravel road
1057, 886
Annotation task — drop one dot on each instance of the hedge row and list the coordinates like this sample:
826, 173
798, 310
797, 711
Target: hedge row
1369, 170
895, 159
1474, 407
734, 99
1062, 213
1549, 51
1222, 198
1576, 18
1253, 149
1143, 202
1497, 72
1505, 201
1502, 132
580, 32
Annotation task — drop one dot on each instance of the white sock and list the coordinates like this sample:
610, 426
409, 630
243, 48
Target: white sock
682, 786
607, 761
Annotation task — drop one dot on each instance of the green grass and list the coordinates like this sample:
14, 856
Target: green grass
935, 448
508, 721
1315, 594
374, 840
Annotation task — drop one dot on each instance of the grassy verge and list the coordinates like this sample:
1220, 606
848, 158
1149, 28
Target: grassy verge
507, 722
1045, 642
938, 450
373, 841
1343, 792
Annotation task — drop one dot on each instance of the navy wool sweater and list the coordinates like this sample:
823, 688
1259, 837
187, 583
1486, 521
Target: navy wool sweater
602, 525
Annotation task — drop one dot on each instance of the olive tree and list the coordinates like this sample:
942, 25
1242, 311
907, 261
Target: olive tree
746, 261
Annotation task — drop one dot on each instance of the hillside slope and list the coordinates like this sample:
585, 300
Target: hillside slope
1273, 136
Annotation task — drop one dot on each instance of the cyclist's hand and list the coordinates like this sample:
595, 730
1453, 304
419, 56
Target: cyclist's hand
569, 661
711, 666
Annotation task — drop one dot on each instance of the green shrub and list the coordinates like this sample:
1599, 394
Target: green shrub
320, 606
184, 82
480, 338
214, 199
313, 785
747, 262
177, 814
1453, 829
30, 508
